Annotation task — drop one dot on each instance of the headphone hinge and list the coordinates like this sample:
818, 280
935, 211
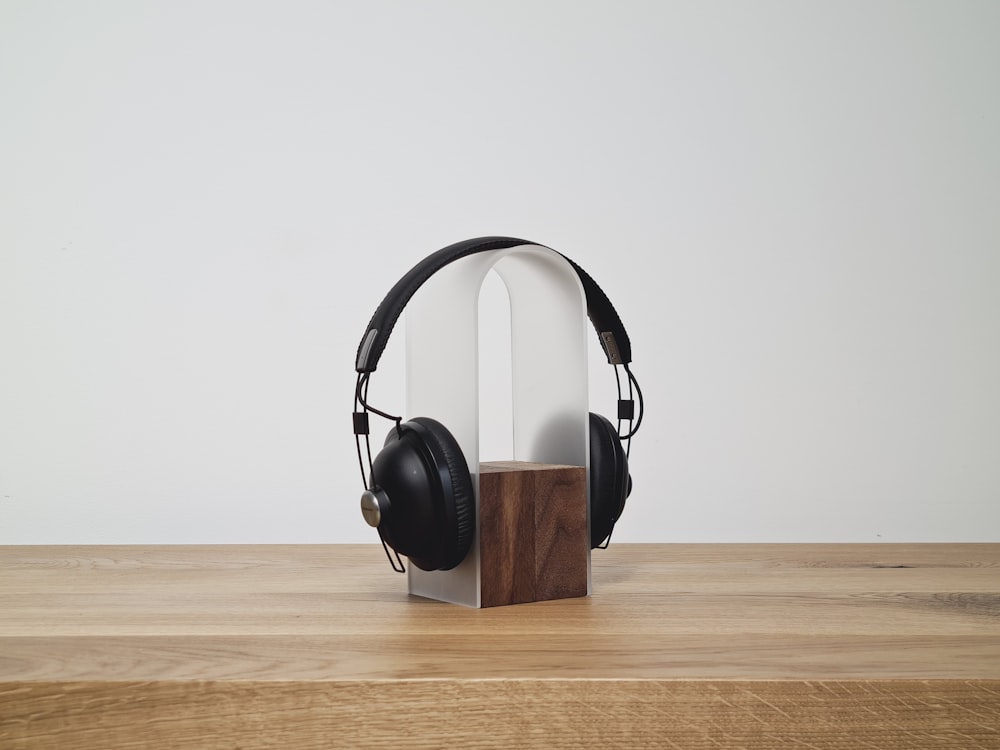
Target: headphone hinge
611, 348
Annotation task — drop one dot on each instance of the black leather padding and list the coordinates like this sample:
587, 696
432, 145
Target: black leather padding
428, 508
458, 511
609, 478
602, 313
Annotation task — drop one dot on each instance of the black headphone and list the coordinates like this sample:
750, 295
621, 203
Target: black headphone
419, 492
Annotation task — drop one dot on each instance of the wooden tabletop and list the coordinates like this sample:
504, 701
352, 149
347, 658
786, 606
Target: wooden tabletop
692, 646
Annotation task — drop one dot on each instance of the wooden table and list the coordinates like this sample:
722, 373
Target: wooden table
681, 646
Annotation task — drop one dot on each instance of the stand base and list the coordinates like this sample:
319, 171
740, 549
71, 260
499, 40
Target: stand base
533, 538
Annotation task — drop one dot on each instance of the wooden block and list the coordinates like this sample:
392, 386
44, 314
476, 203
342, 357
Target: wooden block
533, 541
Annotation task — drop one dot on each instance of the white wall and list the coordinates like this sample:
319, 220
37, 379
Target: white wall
794, 207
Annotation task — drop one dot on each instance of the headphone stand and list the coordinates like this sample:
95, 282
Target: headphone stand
550, 415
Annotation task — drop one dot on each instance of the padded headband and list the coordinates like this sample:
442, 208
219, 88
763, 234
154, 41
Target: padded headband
614, 339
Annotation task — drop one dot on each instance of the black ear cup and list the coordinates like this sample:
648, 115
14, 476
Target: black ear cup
424, 479
610, 482
463, 500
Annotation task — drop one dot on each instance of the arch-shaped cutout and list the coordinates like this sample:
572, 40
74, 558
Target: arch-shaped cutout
496, 400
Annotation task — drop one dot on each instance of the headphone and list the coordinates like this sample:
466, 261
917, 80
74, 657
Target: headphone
419, 492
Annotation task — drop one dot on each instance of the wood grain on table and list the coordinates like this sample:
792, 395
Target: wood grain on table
694, 646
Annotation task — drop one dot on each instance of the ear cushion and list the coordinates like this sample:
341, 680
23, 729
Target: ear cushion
429, 500
459, 496
610, 482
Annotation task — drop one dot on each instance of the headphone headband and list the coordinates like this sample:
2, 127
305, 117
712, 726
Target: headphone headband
602, 314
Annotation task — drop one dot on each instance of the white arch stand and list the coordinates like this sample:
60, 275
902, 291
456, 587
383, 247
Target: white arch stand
548, 368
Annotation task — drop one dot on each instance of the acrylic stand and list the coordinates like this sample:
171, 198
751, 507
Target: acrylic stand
548, 368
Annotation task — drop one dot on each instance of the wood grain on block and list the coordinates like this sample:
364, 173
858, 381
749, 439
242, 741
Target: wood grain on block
533, 542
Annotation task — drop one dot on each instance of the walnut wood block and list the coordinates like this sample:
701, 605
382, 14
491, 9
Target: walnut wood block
533, 542
690, 646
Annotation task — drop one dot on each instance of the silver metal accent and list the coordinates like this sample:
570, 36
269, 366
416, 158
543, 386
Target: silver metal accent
611, 348
370, 508
365, 350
